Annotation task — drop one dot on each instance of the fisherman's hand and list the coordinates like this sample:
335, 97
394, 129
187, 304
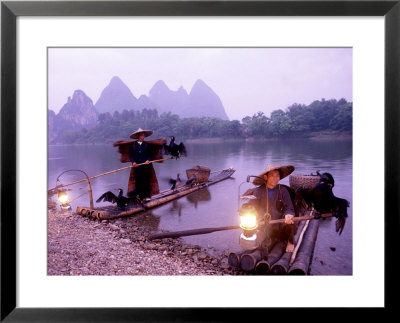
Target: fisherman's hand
134, 164
289, 219
147, 162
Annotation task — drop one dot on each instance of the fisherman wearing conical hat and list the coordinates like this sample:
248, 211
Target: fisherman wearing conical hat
142, 179
140, 153
274, 200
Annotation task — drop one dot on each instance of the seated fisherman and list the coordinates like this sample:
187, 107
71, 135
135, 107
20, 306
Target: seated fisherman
274, 199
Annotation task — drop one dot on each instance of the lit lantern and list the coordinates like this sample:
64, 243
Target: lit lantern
64, 200
249, 224
248, 218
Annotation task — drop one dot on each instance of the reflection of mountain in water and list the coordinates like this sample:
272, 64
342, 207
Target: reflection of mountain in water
199, 196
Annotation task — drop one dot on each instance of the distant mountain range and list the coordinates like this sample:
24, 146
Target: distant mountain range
201, 102
79, 111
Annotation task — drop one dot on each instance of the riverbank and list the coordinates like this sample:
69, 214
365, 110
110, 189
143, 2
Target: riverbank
328, 136
81, 246
322, 135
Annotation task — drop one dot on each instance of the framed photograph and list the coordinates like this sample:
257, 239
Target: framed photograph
56, 53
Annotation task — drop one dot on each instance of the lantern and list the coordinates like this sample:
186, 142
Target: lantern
249, 224
64, 200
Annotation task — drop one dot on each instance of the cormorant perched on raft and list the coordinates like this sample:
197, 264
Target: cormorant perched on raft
324, 201
191, 180
121, 200
175, 182
173, 149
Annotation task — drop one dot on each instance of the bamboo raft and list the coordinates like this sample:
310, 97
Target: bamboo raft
113, 212
278, 261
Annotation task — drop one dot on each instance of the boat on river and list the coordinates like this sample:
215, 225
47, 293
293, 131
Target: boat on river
113, 212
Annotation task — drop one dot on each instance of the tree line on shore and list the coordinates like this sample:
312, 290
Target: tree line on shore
297, 121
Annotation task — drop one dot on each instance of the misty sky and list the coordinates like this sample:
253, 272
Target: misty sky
247, 80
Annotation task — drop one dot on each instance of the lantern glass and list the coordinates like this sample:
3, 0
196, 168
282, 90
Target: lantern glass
63, 197
248, 217
248, 221
64, 200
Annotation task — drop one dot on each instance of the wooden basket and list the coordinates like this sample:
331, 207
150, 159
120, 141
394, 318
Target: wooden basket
303, 181
202, 173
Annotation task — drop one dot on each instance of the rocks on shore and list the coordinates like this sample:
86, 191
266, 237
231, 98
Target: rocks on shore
82, 246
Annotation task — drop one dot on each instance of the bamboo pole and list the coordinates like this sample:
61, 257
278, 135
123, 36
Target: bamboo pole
276, 252
178, 234
303, 259
232, 227
234, 258
249, 260
281, 267
90, 193
221, 170
264, 266
162, 199
301, 218
110, 172
154, 203
293, 257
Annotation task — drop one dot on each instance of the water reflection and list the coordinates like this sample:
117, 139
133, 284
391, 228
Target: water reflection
199, 196
176, 208
218, 204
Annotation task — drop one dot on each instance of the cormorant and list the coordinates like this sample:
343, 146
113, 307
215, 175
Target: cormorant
175, 182
323, 200
191, 180
173, 149
121, 200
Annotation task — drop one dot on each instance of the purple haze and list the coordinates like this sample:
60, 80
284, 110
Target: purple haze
247, 80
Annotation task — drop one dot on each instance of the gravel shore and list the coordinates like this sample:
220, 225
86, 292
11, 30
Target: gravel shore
81, 246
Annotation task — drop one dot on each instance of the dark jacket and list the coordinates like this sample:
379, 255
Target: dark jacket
279, 204
140, 153
126, 149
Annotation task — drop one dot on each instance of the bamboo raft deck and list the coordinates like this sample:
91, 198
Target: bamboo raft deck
113, 212
278, 261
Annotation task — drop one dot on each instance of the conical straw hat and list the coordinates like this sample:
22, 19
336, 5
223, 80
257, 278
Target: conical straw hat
284, 171
135, 135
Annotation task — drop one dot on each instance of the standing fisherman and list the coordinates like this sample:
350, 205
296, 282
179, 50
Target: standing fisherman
142, 179
140, 153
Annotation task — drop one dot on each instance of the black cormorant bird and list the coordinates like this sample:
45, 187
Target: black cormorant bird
175, 182
121, 200
173, 149
191, 180
323, 200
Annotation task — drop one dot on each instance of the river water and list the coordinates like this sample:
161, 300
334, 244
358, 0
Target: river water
217, 205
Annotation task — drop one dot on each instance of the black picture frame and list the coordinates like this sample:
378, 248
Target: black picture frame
10, 10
